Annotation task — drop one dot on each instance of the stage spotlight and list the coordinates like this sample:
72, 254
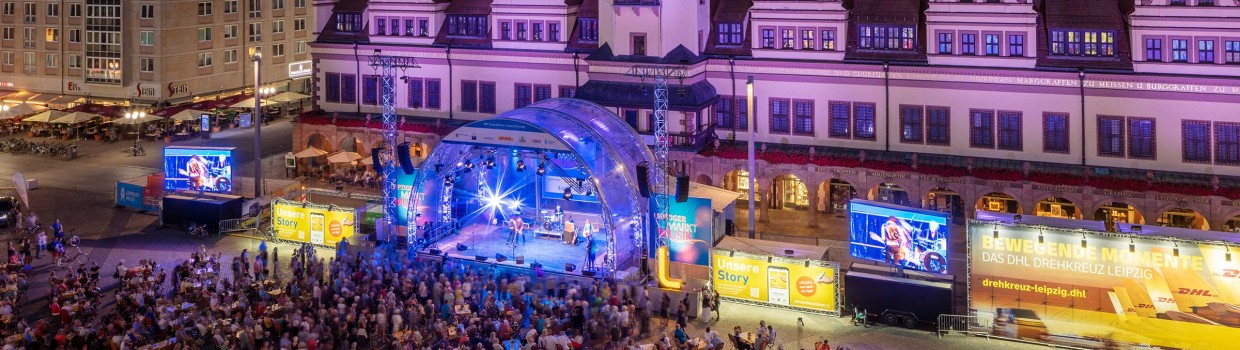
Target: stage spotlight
542, 169
469, 165
494, 201
568, 193
520, 165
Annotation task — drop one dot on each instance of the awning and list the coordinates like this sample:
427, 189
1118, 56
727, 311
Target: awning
287, 96
719, 198
75, 117
310, 152
64, 100
103, 110
344, 157
249, 103
13, 110
188, 115
46, 116
19, 97
690, 98
42, 98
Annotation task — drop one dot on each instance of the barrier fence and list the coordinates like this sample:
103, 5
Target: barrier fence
964, 324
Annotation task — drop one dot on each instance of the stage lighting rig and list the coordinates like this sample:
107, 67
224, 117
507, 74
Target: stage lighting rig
520, 165
568, 193
542, 169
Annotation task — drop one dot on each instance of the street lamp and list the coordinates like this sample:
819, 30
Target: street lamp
138, 116
752, 163
258, 127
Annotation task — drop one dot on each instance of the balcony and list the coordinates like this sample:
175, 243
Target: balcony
636, 3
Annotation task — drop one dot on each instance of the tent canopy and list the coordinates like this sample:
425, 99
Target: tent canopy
19, 109
310, 152
188, 115
249, 103
132, 121
344, 157
75, 117
287, 96
47, 116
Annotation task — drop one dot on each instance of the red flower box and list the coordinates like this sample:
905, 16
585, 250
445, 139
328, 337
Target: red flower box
1057, 178
943, 170
1119, 184
998, 174
1232, 193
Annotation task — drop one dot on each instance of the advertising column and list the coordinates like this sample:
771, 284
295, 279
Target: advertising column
1101, 290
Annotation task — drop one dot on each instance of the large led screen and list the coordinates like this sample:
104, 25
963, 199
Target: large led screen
198, 168
1104, 291
912, 238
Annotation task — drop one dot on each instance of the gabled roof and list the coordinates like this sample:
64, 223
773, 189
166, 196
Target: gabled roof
469, 7
732, 10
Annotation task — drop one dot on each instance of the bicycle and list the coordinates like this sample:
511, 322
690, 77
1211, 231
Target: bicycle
198, 231
80, 257
136, 151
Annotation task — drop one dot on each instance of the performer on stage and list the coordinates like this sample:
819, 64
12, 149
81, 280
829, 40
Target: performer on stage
587, 230
570, 232
519, 231
589, 251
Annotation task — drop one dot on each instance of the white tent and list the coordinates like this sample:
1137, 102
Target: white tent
75, 117
249, 103
133, 121
188, 115
344, 157
287, 96
310, 152
47, 116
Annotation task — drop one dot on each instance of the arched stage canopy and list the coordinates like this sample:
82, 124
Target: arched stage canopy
600, 145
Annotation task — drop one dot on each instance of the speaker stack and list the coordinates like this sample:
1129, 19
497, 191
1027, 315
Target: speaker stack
402, 155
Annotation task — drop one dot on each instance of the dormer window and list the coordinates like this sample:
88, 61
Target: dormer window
348, 22
467, 26
730, 33
589, 29
1084, 43
887, 37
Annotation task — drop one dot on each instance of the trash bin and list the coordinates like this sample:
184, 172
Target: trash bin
72, 152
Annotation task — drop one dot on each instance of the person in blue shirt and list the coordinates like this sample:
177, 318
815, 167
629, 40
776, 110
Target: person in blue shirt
681, 337
58, 229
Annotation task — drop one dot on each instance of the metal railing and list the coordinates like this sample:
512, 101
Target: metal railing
963, 324
238, 224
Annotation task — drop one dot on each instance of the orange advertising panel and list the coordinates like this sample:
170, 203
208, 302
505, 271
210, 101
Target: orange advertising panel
780, 282
1100, 290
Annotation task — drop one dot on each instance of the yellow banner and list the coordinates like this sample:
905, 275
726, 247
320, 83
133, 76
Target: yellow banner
313, 225
778, 282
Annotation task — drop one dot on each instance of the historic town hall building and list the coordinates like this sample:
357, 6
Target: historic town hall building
1124, 110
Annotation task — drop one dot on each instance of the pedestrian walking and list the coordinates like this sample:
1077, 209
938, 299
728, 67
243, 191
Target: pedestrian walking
41, 240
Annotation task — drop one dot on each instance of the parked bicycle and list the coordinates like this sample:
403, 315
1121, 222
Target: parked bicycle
78, 256
43, 148
198, 230
136, 150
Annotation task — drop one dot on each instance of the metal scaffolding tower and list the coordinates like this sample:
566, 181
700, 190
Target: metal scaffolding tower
386, 65
658, 180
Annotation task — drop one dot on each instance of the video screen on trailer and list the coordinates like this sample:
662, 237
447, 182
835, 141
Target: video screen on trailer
198, 168
903, 236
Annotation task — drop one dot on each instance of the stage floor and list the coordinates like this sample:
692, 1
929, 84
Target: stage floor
552, 253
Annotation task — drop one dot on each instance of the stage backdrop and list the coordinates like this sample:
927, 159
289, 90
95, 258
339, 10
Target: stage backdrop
315, 224
553, 187
506, 133
689, 233
1109, 291
910, 237
781, 282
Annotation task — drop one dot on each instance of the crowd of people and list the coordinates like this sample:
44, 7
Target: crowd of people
355, 176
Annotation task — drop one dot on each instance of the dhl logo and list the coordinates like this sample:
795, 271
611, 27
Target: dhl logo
1166, 300
505, 138
1194, 291
1230, 273
1143, 306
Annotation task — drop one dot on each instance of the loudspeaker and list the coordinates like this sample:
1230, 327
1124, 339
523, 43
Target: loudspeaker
729, 228
569, 267
402, 155
374, 156
500, 257
536, 265
643, 180
682, 189
480, 258
587, 273
520, 259
461, 247
436, 251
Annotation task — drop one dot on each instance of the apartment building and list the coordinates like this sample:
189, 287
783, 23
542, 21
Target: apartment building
1120, 110
146, 51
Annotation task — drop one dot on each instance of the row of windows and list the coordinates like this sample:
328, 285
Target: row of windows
205, 8
529, 30
992, 44
206, 59
1088, 43
1222, 146
1206, 50
424, 93
810, 39
392, 26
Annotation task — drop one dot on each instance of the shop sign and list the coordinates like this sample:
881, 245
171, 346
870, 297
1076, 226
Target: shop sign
73, 86
177, 89
941, 179
1181, 199
1058, 189
1001, 183
300, 69
888, 174
1124, 194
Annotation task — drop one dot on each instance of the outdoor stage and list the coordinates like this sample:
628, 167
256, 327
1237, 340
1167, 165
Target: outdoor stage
551, 252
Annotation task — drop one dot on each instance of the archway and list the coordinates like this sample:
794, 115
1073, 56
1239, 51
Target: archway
999, 202
790, 193
704, 179
838, 193
1119, 212
738, 181
1233, 224
319, 141
945, 200
1057, 207
352, 144
1183, 218
890, 193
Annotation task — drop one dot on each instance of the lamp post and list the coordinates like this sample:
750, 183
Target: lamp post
137, 116
258, 127
752, 163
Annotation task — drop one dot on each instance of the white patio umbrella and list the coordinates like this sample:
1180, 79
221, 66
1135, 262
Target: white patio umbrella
249, 103
75, 117
309, 152
188, 115
13, 110
287, 96
344, 157
134, 121
47, 116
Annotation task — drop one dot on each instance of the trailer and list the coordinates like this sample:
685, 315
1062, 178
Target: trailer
905, 301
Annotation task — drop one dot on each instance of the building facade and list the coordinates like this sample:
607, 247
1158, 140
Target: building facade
147, 51
1116, 110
